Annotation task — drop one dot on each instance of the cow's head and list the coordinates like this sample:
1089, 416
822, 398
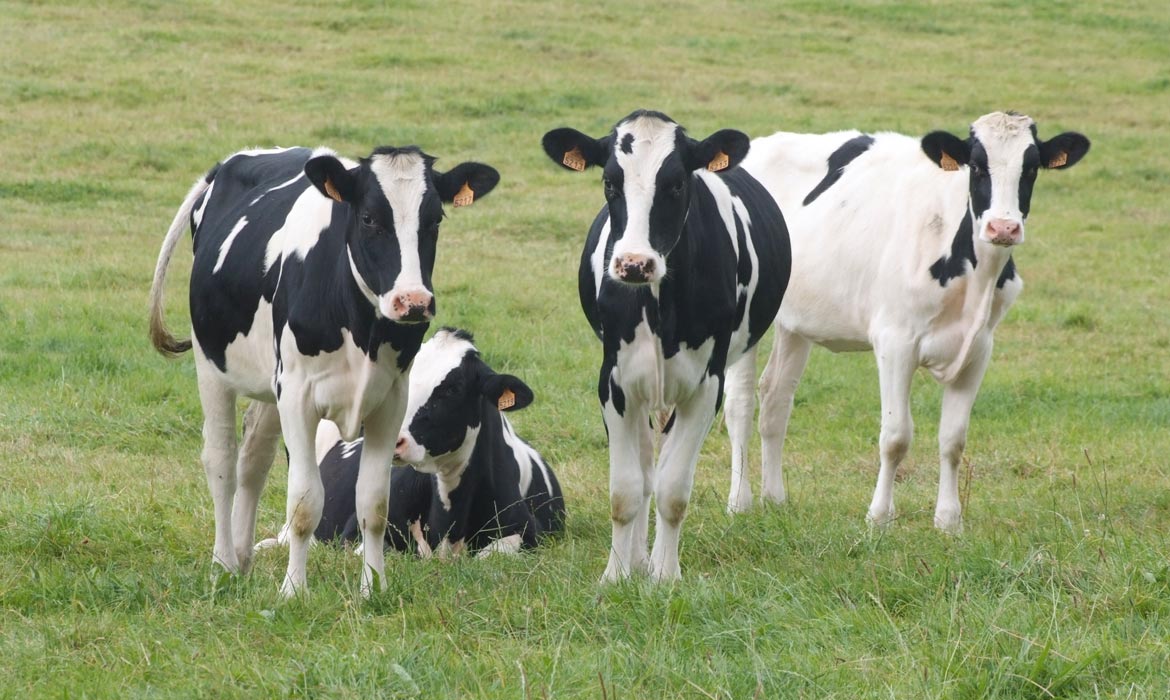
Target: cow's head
648, 165
392, 204
1002, 156
451, 390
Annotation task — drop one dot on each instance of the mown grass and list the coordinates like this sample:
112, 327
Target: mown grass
1058, 587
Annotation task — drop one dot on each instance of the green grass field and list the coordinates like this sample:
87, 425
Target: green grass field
1058, 587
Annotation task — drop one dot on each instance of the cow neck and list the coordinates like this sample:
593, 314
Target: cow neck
987, 264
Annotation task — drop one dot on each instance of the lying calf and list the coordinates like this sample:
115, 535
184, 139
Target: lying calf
474, 483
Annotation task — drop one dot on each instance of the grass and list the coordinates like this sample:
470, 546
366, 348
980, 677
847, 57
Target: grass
1059, 586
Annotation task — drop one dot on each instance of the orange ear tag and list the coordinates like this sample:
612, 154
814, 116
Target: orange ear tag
574, 159
332, 191
507, 400
719, 162
947, 163
464, 197
1058, 160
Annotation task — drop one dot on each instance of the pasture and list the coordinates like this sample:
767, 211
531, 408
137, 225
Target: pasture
1059, 585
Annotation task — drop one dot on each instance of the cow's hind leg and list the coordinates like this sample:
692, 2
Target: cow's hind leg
958, 398
739, 407
896, 365
261, 430
777, 388
676, 476
219, 457
306, 495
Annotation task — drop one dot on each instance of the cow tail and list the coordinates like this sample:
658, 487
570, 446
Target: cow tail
162, 339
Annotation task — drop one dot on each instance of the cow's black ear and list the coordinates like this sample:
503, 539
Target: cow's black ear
1063, 151
946, 150
722, 150
508, 393
466, 183
573, 150
331, 178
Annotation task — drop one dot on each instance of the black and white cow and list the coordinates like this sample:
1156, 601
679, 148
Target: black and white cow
310, 293
474, 483
902, 245
682, 272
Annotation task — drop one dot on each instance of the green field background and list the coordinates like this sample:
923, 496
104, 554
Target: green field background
1058, 587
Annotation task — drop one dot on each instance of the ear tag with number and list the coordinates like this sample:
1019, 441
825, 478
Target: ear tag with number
464, 197
332, 191
574, 159
507, 400
719, 162
947, 163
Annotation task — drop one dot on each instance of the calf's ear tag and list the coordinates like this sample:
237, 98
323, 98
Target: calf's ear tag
1058, 160
574, 159
507, 400
332, 191
947, 163
464, 197
719, 162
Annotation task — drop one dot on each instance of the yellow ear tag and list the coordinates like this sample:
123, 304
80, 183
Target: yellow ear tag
1058, 160
507, 400
719, 162
947, 163
332, 191
464, 197
574, 159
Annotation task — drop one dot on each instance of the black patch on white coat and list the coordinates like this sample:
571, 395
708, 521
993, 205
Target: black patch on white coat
1007, 274
627, 144
954, 265
845, 154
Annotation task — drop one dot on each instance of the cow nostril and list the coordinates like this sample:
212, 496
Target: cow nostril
400, 445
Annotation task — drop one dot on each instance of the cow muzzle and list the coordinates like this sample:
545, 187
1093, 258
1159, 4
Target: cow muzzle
407, 451
1005, 232
414, 306
634, 268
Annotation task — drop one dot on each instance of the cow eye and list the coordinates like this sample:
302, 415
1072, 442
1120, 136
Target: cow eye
367, 220
677, 190
610, 190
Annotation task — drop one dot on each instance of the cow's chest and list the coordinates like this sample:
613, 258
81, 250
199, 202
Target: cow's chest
343, 385
648, 377
966, 317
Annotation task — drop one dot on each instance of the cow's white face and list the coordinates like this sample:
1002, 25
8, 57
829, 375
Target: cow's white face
1003, 156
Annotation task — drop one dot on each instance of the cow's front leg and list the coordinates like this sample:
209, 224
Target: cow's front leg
261, 429
896, 363
739, 408
958, 398
372, 497
630, 485
306, 495
676, 475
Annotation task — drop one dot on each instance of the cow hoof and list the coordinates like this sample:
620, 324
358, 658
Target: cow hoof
739, 504
880, 519
289, 591
949, 521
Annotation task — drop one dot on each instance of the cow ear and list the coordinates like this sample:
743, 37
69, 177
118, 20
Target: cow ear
946, 150
722, 150
508, 393
1063, 151
466, 183
332, 179
573, 150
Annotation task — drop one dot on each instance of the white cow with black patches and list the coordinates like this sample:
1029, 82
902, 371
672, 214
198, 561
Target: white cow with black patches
901, 245
682, 272
310, 294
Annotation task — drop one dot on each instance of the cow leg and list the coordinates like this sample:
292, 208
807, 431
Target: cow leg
372, 495
777, 388
739, 407
219, 457
958, 398
896, 364
261, 429
676, 476
630, 481
306, 495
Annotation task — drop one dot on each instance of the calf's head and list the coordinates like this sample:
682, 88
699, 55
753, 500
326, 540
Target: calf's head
1003, 155
392, 205
648, 169
451, 390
